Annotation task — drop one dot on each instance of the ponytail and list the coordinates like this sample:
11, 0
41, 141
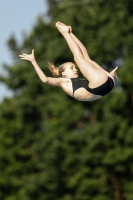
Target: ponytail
53, 69
56, 71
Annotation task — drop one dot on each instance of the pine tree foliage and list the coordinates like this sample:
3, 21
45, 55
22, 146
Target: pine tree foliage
52, 146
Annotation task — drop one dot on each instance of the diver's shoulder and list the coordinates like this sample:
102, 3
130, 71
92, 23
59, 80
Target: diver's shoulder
65, 80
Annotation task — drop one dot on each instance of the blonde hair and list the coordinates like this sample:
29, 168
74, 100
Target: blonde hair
56, 71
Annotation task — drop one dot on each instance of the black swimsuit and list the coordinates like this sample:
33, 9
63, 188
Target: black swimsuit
100, 90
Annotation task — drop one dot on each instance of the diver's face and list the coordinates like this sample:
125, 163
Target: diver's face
70, 71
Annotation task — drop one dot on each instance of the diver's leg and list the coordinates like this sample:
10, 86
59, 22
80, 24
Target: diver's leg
82, 47
87, 68
94, 75
85, 53
112, 74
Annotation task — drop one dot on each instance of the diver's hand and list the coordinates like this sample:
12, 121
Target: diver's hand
113, 72
29, 57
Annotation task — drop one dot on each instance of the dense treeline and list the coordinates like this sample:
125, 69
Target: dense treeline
52, 146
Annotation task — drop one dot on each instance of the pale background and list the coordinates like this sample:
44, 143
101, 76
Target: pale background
16, 17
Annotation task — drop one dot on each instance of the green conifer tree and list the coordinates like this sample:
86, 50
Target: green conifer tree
52, 146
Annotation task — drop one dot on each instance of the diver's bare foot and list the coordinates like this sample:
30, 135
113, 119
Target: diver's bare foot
70, 28
62, 28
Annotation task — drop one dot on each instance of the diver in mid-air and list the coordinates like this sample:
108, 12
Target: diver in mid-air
97, 82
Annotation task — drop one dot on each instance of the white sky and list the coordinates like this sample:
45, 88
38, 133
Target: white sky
16, 17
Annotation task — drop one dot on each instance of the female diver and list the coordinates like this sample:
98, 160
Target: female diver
98, 82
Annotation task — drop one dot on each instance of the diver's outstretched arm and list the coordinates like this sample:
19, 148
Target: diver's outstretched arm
42, 76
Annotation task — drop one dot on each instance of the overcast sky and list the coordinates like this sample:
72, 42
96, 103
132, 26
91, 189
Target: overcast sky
16, 17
